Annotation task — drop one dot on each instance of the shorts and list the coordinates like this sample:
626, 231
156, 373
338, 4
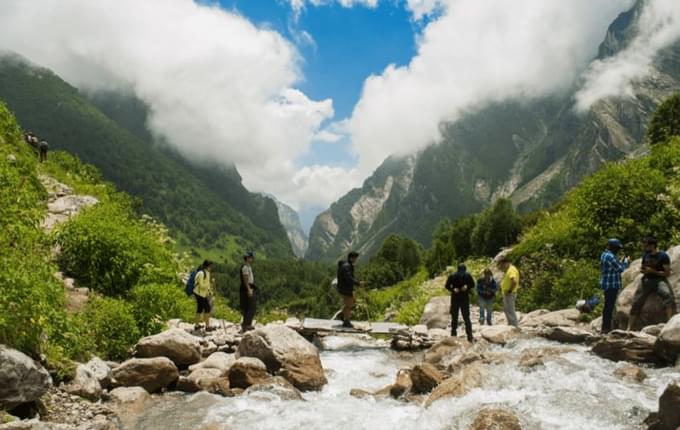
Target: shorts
346, 293
648, 287
202, 305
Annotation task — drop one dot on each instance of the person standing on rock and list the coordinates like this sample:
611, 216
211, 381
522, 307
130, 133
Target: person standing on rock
611, 269
656, 269
248, 292
486, 293
509, 288
460, 284
346, 283
203, 291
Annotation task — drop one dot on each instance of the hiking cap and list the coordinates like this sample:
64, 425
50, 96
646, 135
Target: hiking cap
615, 242
249, 254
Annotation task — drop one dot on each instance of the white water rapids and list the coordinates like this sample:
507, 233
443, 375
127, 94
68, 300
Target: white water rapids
576, 391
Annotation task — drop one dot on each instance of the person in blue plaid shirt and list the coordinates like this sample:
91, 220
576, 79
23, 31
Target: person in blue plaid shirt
610, 280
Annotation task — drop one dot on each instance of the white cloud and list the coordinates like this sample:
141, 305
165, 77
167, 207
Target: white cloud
473, 53
299, 5
327, 136
659, 26
219, 88
423, 8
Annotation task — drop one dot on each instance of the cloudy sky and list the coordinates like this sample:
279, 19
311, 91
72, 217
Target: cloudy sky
307, 97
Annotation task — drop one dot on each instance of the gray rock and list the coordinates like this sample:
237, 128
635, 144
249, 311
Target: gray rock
247, 371
152, 374
216, 360
101, 371
499, 334
437, 312
22, 379
566, 334
176, 344
668, 343
85, 384
627, 346
276, 386
653, 330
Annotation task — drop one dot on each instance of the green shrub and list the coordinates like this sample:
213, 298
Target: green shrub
111, 323
107, 249
665, 122
154, 304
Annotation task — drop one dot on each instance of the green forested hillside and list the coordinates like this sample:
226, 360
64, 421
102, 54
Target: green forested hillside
206, 208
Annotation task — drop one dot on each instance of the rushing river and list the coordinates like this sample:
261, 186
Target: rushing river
576, 391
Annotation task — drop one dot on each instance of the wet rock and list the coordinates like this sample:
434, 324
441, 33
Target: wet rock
668, 343
152, 374
206, 378
176, 344
563, 318
186, 385
402, 385
287, 354
216, 360
444, 350
668, 417
627, 346
496, 419
459, 384
425, 377
437, 312
531, 358
630, 373
360, 394
411, 340
85, 384
22, 379
499, 334
653, 330
277, 386
462, 360
247, 371
100, 370
596, 325
566, 334
131, 399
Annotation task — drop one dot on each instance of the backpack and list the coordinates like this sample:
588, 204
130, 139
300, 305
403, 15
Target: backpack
191, 283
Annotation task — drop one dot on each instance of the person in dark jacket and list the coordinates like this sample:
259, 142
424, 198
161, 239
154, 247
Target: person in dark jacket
248, 292
486, 293
460, 284
346, 284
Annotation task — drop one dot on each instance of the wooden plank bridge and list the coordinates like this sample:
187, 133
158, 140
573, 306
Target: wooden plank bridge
323, 327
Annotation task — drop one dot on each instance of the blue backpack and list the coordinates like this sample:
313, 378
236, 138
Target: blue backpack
191, 282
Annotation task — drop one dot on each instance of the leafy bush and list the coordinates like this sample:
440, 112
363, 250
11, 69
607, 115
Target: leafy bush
496, 228
154, 304
665, 122
111, 323
107, 249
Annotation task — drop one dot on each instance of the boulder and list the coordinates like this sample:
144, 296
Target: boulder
100, 370
564, 318
630, 373
22, 379
152, 374
443, 351
627, 346
216, 360
129, 399
496, 419
462, 360
176, 344
668, 343
534, 357
276, 386
499, 334
360, 393
247, 371
402, 385
459, 384
566, 334
653, 330
437, 312
669, 407
425, 377
186, 385
653, 311
287, 354
85, 384
596, 325
207, 378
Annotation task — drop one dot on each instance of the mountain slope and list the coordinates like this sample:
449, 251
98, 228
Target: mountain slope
529, 150
290, 220
207, 208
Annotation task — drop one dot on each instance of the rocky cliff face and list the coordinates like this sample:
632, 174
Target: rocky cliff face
532, 151
291, 222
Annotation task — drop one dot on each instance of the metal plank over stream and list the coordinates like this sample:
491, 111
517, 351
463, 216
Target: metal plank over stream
322, 326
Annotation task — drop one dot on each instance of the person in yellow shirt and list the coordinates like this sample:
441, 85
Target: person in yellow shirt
509, 287
204, 292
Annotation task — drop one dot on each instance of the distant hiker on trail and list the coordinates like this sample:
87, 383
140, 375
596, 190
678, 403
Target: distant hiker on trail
509, 288
611, 269
42, 148
460, 284
31, 139
656, 268
486, 292
248, 292
346, 284
203, 291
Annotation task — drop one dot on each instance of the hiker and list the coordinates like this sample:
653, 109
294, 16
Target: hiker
509, 288
248, 292
611, 269
31, 139
460, 284
486, 292
203, 291
346, 284
656, 268
42, 148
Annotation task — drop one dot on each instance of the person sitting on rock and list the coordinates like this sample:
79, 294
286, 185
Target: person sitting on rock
203, 291
248, 292
346, 284
656, 268
460, 284
611, 269
486, 292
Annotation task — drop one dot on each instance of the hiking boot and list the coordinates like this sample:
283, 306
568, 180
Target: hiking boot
347, 324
